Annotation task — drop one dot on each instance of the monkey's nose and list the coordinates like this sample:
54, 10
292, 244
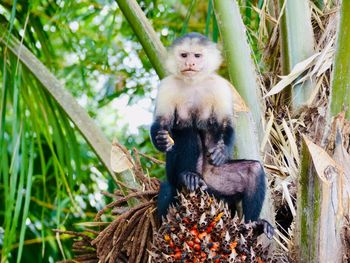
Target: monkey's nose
190, 64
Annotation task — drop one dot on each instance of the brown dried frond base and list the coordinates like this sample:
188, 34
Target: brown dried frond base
126, 238
130, 234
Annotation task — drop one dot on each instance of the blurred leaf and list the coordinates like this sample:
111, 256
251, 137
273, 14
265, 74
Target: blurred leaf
187, 18
78, 115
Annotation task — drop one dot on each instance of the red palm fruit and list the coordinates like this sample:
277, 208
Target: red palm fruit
178, 255
190, 243
197, 247
201, 229
202, 235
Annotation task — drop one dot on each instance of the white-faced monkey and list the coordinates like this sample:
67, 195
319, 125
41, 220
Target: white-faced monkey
193, 125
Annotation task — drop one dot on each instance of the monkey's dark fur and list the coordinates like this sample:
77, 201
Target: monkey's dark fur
193, 126
231, 181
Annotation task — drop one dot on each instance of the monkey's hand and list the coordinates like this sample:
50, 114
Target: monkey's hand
192, 180
262, 226
164, 141
217, 155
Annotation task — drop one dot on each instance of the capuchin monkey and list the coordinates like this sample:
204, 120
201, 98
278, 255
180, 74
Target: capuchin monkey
193, 125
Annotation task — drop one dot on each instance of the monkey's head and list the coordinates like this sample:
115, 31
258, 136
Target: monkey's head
193, 56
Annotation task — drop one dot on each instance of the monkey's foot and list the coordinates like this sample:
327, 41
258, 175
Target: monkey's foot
262, 226
192, 180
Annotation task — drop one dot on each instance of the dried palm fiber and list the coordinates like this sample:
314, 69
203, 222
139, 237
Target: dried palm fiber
284, 129
130, 233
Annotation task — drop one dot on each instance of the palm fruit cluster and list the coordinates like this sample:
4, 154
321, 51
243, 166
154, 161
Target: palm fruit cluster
201, 229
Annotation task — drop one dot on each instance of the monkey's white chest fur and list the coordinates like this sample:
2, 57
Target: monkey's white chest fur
211, 97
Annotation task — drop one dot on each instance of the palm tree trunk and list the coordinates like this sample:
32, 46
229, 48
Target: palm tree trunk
308, 210
249, 128
340, 95
240, 64
297, 44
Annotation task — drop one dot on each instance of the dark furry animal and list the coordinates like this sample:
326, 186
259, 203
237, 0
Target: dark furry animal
193, 126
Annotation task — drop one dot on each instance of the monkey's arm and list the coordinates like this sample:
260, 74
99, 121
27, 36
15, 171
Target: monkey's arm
182, 157
222, 148
181, 160
161, 137
229, 138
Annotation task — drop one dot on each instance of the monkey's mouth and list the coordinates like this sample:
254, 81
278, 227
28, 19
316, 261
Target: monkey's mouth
189, 70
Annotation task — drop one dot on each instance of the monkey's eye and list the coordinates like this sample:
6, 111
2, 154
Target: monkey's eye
184, 55
197, 55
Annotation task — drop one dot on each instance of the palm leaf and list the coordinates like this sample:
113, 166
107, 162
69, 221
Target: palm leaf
76, 113
38, 110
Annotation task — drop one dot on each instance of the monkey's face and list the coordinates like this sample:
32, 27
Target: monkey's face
193, 58
190, 62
